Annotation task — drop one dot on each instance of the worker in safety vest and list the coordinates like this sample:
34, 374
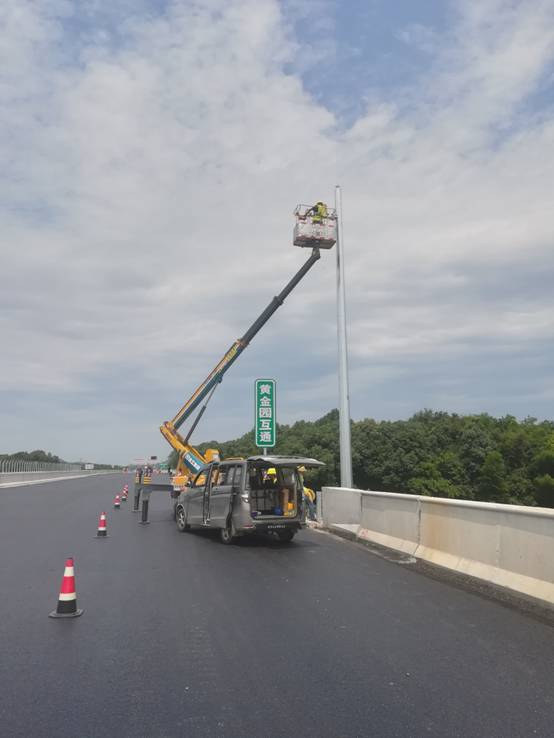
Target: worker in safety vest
270, 478
309, 494
318, 212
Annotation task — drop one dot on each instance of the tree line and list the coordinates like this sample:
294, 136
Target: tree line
469, 457
37, 455
48, 457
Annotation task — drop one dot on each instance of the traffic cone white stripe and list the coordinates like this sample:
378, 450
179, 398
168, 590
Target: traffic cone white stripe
67, 597
69, 571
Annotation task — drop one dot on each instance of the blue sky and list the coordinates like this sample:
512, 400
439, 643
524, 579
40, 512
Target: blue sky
151, 155
363, 49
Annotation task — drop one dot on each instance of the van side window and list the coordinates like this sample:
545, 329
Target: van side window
254, 481
200, 480
214, 475
237, 481
223, 476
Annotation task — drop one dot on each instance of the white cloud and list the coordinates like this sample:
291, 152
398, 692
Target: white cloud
149, 163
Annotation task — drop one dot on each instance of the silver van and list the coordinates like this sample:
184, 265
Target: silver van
260, 494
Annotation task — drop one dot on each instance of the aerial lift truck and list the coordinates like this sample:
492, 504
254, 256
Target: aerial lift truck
315, 229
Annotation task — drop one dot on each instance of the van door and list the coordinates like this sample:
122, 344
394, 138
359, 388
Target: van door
222, 494
195, 497
206, 502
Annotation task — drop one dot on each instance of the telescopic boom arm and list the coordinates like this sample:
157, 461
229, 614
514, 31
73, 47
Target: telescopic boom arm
169, 428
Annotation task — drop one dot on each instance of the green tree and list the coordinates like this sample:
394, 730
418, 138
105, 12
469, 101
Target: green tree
543, 461
431, 453
430, 482
544, 490
492, 478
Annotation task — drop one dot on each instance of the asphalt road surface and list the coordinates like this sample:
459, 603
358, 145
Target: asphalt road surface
182, 636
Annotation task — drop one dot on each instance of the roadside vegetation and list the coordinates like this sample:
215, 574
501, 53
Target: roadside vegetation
48, 458
38, 455
472, 457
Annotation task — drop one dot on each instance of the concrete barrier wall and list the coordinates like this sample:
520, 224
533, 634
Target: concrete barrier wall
14, 478
396, 526
340, 503
508, 545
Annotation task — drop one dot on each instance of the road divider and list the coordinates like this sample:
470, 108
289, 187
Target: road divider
507, 545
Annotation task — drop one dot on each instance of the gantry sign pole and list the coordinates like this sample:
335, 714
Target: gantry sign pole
344, 400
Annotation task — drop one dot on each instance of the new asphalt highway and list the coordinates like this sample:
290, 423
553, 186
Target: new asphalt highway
182, 636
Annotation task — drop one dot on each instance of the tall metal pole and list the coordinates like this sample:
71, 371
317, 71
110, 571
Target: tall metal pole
344, 400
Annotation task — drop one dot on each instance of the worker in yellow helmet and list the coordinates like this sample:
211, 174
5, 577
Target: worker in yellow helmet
309, 497
309, 494
269, 478
318, 212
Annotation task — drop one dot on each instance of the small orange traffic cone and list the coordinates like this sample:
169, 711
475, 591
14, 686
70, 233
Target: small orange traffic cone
102, 526
124, 495
67, 599
117, 502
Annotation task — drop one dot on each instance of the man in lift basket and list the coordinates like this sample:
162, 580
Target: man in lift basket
318, 212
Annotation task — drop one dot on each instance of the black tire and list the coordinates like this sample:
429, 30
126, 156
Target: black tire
286, 536
226, 534
181, 520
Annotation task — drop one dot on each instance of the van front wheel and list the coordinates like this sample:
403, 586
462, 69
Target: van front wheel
181, 520
227, 535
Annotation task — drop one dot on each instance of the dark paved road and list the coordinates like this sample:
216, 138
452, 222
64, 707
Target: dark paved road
182, 636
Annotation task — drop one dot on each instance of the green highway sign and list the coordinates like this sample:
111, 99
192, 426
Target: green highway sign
265, 426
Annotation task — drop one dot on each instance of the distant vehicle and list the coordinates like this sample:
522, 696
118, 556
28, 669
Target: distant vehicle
261, 494
88, 467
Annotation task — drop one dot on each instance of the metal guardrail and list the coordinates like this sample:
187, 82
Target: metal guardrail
8, 466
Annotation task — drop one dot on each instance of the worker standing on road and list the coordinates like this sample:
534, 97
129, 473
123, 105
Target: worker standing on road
309, 497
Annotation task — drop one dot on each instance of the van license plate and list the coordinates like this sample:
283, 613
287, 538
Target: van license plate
271, 527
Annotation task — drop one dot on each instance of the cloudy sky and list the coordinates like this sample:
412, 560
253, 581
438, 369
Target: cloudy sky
152, 152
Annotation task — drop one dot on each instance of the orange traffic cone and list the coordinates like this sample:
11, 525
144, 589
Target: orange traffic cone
124, 496
67, 600
102, 526
117, 502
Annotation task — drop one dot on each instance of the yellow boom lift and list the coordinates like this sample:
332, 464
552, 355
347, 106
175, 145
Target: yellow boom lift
312, 230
